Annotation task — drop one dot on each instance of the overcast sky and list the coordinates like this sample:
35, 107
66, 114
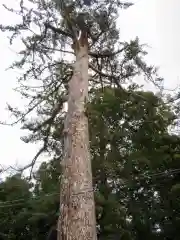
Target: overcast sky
155, 22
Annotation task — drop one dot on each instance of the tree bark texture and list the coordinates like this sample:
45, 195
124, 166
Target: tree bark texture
77, 208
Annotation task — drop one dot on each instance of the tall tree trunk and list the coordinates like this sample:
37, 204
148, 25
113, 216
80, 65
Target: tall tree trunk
77, 208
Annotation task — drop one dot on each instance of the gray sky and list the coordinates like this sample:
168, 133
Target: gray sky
155, 22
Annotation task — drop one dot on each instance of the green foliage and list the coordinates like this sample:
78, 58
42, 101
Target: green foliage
130, 154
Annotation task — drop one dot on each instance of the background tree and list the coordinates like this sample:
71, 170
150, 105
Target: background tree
13, 216
135, 164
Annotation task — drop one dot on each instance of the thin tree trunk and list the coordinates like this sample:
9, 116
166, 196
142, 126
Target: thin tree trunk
77, 209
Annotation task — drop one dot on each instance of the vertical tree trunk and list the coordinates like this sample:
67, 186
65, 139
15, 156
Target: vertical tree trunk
77, 209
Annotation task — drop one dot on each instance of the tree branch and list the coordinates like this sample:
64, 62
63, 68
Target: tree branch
106, 54
58, 30
58, 50
41, 150
53, 115
44, 147
116, 79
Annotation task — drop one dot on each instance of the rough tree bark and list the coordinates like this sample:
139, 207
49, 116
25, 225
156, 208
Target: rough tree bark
77, 209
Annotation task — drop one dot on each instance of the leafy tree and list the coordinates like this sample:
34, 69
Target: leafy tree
14, 195
126, 138
27, 211
125, 169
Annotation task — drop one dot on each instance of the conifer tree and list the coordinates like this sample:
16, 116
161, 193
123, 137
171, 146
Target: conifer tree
70, 46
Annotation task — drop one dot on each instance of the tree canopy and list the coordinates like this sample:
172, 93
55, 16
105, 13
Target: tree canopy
135, 174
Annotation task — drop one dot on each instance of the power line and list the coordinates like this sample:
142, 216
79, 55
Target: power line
24, 199
19, 201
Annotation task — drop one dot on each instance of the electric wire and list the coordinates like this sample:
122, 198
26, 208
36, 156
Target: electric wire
20, 201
